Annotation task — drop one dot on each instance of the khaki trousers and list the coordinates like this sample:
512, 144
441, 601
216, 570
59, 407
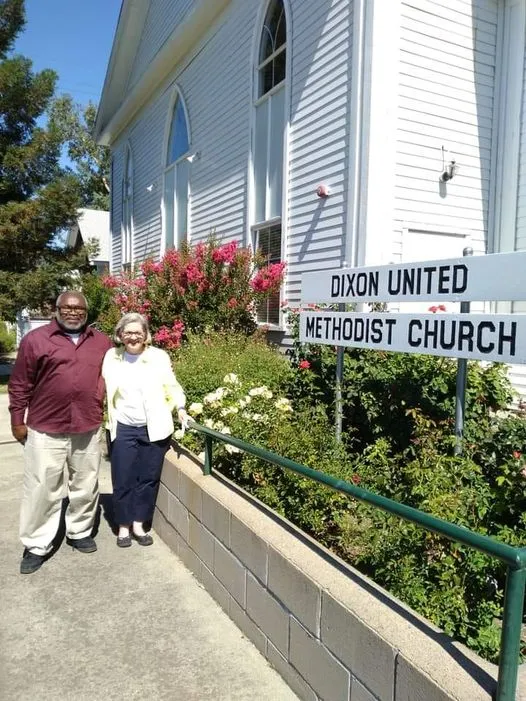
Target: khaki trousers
46, 457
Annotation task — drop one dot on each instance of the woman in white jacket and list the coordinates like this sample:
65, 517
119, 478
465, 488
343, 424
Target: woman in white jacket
142, 392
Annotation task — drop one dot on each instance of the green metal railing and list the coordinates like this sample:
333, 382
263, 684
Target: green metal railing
514, 558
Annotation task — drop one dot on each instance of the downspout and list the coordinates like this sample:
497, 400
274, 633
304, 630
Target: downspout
354, 226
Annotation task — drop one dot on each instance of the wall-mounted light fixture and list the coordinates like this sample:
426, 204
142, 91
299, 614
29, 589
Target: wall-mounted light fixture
449, 170
193, 157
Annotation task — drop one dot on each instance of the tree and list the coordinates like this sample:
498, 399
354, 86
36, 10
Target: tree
92, 162
37, 197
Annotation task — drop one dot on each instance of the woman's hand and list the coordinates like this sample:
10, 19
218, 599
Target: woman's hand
182, 416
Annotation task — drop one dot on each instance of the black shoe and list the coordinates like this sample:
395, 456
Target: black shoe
31, 562
144, 539
83, 545
124, 541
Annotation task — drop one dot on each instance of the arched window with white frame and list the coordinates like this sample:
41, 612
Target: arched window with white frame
127, 212
176, 178
270, 122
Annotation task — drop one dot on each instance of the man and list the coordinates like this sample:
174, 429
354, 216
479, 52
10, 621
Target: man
57, 379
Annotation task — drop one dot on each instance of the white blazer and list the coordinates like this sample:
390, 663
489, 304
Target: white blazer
161, 391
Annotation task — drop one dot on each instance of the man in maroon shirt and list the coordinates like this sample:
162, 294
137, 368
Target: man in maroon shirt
57, 381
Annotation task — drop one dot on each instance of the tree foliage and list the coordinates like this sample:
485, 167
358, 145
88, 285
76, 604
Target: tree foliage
92, 162
38, 198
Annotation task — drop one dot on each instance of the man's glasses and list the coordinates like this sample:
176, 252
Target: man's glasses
72, 310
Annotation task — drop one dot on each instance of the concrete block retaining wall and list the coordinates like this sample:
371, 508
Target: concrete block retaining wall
330, 632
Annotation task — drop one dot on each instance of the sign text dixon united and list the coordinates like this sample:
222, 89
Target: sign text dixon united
496, 277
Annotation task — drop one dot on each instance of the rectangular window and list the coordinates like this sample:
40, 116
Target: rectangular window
176, 204
169, 190
127, 233
267, 240
275, 165
181, 196
127, 214
261, 160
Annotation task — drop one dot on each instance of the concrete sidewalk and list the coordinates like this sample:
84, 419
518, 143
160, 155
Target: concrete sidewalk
117, 624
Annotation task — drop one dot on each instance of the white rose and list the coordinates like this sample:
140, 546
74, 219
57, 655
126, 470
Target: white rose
178, 434
231, 379
258, 391
232, 449
195, 408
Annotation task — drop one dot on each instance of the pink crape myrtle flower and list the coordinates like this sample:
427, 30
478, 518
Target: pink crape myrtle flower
269, 278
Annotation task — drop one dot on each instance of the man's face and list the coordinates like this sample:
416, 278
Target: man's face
72, 313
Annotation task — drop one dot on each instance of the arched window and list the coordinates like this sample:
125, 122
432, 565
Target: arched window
176, 179
127, 212
269, 140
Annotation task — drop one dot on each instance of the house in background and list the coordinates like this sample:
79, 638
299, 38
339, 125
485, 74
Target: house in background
92, 225
228, 115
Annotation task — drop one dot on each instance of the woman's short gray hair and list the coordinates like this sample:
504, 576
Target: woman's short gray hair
132, 318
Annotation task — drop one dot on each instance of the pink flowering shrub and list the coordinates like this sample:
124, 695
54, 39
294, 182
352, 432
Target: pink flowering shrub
210, 286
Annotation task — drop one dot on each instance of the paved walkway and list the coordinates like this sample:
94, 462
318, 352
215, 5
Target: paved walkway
117, 624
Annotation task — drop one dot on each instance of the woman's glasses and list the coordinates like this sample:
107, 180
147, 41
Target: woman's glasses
131, 334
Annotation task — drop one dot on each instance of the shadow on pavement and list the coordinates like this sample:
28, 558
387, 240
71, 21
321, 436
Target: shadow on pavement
104, 510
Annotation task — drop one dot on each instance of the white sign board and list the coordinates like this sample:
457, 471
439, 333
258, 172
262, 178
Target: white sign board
496, 277
492, 337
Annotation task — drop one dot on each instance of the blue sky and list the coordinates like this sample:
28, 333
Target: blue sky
73, 37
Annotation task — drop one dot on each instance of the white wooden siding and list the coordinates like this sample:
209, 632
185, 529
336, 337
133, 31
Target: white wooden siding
163, 18
116, 208
446, 98
217, 88
146, 138
319, 137
517, 373
520, 226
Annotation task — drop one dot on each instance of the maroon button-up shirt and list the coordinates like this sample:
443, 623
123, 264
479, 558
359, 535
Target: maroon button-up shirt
57, 381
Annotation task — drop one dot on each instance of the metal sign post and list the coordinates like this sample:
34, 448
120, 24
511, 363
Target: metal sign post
338, 409
462, 379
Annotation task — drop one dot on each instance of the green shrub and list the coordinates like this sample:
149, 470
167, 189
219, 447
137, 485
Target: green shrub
7, 339
398, 443
380, 388
202, 362
101, 311
196, 289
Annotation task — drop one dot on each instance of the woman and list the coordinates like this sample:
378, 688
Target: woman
142, 392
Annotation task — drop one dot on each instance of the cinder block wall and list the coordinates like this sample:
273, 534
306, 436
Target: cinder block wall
330, 632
